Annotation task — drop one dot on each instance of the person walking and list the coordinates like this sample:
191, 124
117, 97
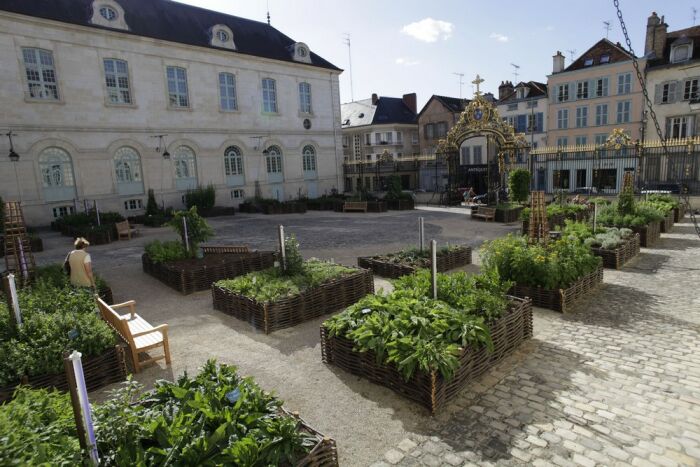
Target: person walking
80, 264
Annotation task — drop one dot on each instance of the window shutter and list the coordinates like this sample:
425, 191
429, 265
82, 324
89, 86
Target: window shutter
668, 128
657, 94
672, 92
540, 122
572, 91
606, 83
522, 123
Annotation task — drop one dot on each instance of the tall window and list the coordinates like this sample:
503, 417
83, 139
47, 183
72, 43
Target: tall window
233, 161
414, 137
581, 117
623, 111
184, 161
581, 140
227, 91
117, 81
668, 93
690, 90
562, 141
601, 87
377, 138
429, 131
273, 160
309, 159
305, 98
679, 127
41, 74
600, 139
464, 153
601, 114
269, 90
389, 137
368, 139
127, 165
177, 87
582, 90
399, 137
56, 168
624, 83
563, 93
476, 152
562, 119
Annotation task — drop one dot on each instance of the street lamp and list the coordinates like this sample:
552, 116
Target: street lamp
14, 157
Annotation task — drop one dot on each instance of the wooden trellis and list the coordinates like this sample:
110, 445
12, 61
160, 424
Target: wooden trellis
18, 251
538, 230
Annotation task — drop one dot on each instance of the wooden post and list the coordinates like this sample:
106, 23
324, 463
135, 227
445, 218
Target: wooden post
283, 253
421, 234
595, 216
185, 236
433, 267
77, 384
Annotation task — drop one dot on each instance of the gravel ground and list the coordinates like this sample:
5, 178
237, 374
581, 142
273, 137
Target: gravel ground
366, 420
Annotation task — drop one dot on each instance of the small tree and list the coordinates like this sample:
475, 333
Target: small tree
519, 185
625, 201
198, 230
152, 208
294, 261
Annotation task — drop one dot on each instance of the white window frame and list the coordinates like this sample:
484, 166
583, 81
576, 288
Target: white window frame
562, 119
601, 87
389, 137
308, 159
135, 204
273, 160
233, 161
582, 90
624, 110
106, 10
680, 127
377, 138
305, 98
624, 83
563, 92
178, 92
60, 211
269, 96
399, 137
562, 141
691, 89
415, 138
185, 162
675, 51
127, 165
228, 101
119, 93
601, 114
56, 167
582, 117
40, 73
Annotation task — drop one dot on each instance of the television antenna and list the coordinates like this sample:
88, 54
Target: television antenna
695, 11
607, 27
461, 75
516, 71
346, 41
572, 52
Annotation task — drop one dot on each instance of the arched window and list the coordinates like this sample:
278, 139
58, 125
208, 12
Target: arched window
274, 160
233, 161
184, 161
309, 159
127, 165
56, 168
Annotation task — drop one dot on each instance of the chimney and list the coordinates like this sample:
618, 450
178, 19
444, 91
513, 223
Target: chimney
505, 90
375, 98
410, 101
558, 62
656, 36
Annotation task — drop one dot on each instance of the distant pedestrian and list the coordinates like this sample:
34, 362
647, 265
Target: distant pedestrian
79, 265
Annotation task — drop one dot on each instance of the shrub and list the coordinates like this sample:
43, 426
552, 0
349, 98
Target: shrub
198, 230
163, 252
610, 216
519, 185
202, 198
294, 261
152, 208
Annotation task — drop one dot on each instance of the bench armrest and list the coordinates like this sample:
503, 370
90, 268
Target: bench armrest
130, 304
162, 328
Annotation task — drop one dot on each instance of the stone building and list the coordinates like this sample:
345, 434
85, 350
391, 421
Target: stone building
88, 85
524, 107
378, 135
599, 91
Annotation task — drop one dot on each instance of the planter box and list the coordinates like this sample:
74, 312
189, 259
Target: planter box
188, 276
95, 237
336, 205
323, 454
101, 370
217, 211
667, 222
559, 299
400, 204
431, 390
332, 296
648, 234
679, 213
615, 259
507, 216
445, 262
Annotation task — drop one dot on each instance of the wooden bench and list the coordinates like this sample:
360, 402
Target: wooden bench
485, 213
225, 249
355, 206
136, 331
125, 230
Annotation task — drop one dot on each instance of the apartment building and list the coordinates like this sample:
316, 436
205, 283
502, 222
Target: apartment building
524, 106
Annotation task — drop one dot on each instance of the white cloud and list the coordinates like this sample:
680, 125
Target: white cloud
406, 61
429, 30
499, 37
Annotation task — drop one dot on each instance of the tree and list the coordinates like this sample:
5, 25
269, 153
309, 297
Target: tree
519, 185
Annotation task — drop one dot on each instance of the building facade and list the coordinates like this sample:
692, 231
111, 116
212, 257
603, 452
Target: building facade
380, 136
97, 92
599, 91
524, 106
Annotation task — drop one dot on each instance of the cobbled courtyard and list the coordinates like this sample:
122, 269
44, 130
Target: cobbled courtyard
615, 381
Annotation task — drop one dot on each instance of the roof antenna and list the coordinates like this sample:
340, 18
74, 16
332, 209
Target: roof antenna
695, 11
268, 12
607, 27
572, 52
346, 40
516, 69
461, 75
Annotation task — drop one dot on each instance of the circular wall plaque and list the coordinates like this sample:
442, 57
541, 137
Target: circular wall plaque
307, 123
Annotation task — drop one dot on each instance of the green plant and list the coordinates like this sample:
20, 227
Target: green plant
198, 230
414, 257
294, 263
519, 185
611, 216
202, 198
152, 208
163, 252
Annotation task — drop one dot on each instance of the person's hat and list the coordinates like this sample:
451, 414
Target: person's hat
81, 242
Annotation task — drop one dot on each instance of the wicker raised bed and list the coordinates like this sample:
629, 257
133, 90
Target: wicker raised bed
507, 216
101, 370
450, 260
679, 213
323, 454
615, 259
560, 299
288, 207
667, 222
190, 276
272, 316
648, 234
431, 390
400, 204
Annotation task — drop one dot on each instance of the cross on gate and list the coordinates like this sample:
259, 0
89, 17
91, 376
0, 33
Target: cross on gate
478, 81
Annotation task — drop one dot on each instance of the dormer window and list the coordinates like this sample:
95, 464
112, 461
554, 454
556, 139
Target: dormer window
108, 13
680, 53
588, 62
222, 36
300, 52
605, 59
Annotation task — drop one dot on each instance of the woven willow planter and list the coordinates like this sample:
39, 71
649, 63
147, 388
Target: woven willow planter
431, 390
384, 268
327, 298
323, 454
560, 299
189, 277
679, 213
400, 204
648, 234
615, 259
100, 371
667, 222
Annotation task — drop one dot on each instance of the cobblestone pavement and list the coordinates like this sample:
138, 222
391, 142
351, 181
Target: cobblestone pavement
614, 382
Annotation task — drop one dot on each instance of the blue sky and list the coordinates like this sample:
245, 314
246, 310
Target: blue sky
417, 45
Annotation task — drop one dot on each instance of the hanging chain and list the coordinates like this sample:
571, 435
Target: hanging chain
652, 114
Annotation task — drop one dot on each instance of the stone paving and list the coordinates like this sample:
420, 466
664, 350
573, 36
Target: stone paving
614, 382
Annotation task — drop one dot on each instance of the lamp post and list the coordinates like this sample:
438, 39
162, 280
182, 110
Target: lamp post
14, 158
166, 157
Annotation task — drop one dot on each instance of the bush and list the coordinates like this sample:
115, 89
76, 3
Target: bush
610, 216
163, 252
201, 198
198, 230
152, 208
519, 185
294, 261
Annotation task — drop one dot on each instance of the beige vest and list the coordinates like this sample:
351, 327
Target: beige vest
77, 261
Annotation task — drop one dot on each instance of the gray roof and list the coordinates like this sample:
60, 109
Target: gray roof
357, 113
388, 110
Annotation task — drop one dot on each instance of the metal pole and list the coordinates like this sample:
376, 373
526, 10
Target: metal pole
595, 216
85, 206
75, 400
283, 253
185, 236
421, 234
22, 260
10, 298
97, 213
433, 267
84, 402
17, 313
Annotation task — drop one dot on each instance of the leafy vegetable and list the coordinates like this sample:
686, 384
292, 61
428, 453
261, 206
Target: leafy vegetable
163, 252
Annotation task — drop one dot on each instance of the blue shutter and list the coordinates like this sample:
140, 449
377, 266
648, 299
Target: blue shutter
521, 124
539, 122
